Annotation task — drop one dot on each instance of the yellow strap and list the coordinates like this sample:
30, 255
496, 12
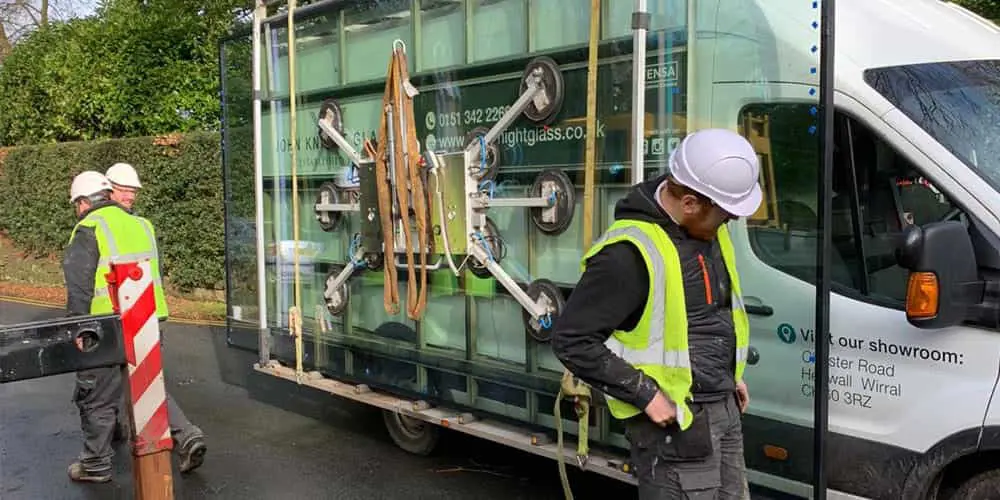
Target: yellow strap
590, 148
295, 313
570, 385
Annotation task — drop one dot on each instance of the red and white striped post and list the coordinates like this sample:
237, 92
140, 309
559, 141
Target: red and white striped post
130, 286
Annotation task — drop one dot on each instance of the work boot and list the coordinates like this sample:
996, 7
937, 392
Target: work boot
77, 473
192, 454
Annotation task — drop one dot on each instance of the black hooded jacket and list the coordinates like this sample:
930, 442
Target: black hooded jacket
612, 293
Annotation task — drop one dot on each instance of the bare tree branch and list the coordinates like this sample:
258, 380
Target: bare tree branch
31, 10
18, 18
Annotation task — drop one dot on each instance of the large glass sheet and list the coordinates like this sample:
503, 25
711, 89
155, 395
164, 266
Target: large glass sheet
558, 23
241, 251
442, 34
752, 68
370, 27
499, 29
317, 55
758, 72
664, 15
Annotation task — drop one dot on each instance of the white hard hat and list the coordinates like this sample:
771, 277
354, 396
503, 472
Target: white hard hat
721, 165
124, 175
88, 183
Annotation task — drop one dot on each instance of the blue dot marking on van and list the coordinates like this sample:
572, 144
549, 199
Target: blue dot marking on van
786, 333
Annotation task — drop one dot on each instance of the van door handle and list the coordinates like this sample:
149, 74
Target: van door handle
757, 307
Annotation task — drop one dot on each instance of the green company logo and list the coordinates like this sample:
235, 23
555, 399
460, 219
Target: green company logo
786, 333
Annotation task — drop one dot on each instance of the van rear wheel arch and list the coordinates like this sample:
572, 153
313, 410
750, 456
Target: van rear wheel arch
941, 472
974, 476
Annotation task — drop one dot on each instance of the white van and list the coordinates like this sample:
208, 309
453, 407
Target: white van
917, 141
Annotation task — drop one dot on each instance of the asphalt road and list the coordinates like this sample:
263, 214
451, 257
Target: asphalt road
257, 451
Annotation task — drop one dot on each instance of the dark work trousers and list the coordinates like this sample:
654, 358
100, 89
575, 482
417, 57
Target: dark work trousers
704, 462
181, 429
100, 397
97, 395
102, 400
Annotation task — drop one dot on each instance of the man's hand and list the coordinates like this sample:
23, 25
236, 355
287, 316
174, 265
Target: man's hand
661, 410
744, 395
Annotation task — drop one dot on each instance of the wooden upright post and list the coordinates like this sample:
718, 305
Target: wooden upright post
131, 292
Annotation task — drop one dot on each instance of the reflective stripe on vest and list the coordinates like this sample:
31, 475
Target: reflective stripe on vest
648, 347
655, 353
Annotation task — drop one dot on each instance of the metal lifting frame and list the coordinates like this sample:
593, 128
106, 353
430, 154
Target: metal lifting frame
352, 155
479, 202
358, 251
260, 11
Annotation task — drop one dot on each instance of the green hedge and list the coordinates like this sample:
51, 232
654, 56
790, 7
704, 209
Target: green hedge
242, 236
182, 196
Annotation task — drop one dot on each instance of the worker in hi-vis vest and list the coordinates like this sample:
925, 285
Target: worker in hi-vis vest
104, 233
188, 438
125, 184
657, 323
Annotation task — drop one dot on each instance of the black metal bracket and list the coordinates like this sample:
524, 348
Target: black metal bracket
46, 348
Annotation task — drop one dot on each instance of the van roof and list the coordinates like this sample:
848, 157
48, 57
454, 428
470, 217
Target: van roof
770, 40
873, 33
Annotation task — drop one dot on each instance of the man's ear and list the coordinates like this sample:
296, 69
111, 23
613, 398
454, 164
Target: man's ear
690, 204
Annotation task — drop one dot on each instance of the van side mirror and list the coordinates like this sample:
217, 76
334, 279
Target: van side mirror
944, 280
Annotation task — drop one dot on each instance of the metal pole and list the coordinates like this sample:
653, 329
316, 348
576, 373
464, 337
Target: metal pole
690, 56
303, 11
664, 112
640, 23
825, 190
130, 288
258, 171
274, 110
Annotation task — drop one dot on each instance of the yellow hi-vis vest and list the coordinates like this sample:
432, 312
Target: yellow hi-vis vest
122, 237
658, 346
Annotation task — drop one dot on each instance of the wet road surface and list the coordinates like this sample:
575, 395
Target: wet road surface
257, 451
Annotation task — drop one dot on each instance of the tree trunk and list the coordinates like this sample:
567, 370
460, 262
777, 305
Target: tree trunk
5, 45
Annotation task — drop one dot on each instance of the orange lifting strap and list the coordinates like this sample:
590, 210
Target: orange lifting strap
399, 98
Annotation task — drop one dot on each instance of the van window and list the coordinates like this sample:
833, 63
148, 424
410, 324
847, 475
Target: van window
957, 103
876, 193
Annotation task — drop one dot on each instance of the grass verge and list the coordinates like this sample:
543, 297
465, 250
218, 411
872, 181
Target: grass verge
40, 280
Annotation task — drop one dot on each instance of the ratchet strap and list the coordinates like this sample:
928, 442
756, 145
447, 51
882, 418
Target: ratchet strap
571, 386
409, 184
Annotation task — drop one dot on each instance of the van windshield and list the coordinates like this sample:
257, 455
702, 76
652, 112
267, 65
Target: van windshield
958, 103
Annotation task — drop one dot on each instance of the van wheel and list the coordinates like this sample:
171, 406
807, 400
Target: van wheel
983, 486
415, 436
